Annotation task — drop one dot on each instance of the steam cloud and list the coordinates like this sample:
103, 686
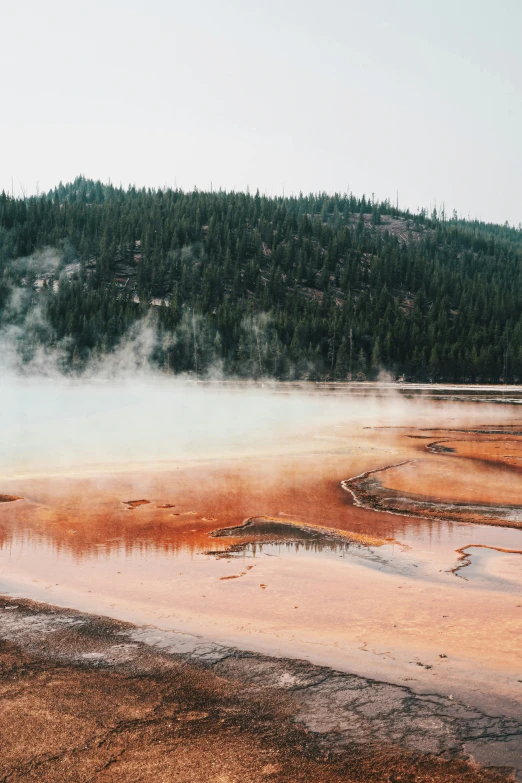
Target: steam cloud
121, 407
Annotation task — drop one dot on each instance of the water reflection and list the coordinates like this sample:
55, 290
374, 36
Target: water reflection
152, 522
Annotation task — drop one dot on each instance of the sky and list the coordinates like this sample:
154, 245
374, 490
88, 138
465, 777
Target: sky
410, 97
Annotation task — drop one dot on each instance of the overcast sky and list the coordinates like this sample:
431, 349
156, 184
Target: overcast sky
380, 96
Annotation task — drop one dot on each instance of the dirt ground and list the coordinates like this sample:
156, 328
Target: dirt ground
88, 699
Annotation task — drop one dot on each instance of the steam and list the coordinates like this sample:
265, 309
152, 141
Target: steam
29, 345
63, 412
40, 265
63, 424
131, 358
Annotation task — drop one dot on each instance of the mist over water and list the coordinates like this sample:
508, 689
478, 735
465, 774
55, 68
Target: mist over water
58, 424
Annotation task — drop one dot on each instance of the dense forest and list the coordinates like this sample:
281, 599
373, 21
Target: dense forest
319, 286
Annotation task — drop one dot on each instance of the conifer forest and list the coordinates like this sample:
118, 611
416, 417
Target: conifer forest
243, 285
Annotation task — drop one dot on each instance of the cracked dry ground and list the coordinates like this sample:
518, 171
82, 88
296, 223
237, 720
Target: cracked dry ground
90, 699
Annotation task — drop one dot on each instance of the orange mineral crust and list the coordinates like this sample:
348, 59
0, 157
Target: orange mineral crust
377, 593
388, 547
476, 481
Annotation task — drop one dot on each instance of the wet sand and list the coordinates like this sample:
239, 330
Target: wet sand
406, 575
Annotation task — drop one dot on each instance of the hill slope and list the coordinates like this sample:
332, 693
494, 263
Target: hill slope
317, 286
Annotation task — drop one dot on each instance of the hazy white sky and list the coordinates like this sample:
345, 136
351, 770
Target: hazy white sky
418, 96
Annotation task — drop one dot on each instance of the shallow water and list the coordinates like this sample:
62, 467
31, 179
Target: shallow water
379, 593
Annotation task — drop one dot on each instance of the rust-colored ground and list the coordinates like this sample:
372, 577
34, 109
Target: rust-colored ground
159, 718
155, 717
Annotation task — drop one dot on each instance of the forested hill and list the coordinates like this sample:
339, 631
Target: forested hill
315, 286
